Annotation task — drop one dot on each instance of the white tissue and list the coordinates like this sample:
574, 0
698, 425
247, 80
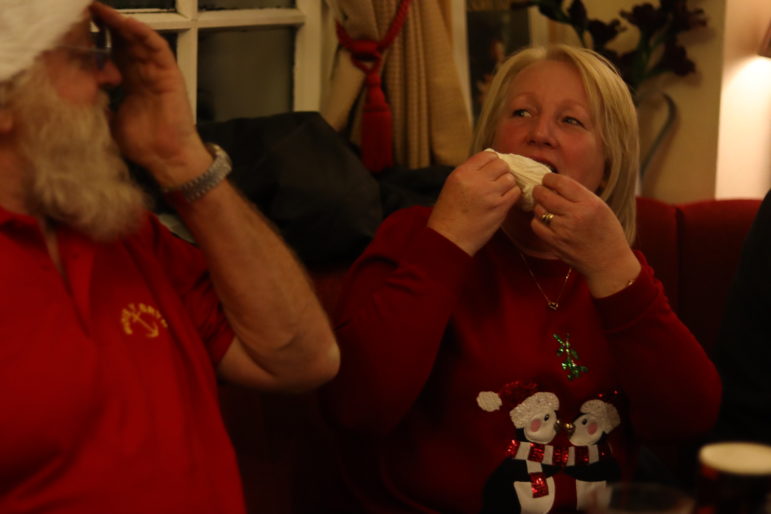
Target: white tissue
527, 172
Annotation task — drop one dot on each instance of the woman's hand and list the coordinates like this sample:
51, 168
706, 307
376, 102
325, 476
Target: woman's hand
585, 233
474, 201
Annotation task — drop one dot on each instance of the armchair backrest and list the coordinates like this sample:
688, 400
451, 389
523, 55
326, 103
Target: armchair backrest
694, 248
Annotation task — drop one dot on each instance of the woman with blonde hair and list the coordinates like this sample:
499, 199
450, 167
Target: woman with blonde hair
506, 350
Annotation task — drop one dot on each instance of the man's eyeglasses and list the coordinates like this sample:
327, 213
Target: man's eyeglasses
97, 55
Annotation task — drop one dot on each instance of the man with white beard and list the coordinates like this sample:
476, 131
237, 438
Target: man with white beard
113, 333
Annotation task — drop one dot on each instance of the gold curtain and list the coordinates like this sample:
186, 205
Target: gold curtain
431, 124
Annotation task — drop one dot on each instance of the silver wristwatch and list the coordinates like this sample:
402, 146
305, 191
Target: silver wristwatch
194, 189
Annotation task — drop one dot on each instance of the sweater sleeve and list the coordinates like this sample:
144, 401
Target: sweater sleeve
672, 386
395, 306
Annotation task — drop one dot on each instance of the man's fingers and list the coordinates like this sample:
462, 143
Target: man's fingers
105, 13
132, 36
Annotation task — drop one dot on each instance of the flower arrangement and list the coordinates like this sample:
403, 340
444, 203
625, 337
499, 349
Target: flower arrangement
657, 51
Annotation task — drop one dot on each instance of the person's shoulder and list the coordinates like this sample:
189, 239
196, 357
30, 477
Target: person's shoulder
402, 226
763, 216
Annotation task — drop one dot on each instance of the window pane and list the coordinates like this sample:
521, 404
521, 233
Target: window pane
171, 39
245, 73
243, 4
142, 4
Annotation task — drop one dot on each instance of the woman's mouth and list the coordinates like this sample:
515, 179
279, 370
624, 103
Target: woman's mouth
549, 165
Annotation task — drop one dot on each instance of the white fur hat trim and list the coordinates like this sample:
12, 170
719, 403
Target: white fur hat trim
30, 27
489, 401
528, 174
534, 406
605, 413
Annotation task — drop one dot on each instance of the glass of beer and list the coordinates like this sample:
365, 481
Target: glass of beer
734, 478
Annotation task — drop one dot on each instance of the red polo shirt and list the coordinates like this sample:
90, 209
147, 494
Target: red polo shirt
107, 379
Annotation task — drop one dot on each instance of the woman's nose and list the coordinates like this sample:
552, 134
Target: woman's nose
541, 131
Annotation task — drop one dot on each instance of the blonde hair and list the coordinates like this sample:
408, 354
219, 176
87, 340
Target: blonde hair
611, 107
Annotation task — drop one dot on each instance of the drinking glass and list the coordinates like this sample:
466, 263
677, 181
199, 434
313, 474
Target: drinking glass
734, 478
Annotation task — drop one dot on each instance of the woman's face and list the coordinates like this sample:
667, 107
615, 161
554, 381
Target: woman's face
547, 118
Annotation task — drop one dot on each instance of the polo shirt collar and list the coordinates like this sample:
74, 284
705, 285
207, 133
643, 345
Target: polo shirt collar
8, 217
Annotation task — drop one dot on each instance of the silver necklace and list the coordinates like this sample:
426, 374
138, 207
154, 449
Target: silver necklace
552, 304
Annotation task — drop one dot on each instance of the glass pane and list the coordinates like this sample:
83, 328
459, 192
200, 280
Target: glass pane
492, 35
142, 4
245, 73
243, 4
171, 39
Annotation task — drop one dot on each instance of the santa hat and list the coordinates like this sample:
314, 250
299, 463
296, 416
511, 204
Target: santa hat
30, 27
605, 413
524, 400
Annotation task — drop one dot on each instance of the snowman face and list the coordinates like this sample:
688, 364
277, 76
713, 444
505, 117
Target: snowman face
541, 428
586, 430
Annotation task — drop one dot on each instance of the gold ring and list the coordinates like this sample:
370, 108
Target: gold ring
546, 218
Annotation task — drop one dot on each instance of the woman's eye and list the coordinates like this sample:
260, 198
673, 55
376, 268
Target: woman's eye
570, 120
520, 113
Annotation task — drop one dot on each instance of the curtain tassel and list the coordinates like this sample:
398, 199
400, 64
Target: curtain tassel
377, 120
376, 128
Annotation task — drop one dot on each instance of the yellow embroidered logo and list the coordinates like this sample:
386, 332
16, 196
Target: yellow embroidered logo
142, 319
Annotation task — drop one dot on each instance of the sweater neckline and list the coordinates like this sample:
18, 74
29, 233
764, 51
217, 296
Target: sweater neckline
541, 267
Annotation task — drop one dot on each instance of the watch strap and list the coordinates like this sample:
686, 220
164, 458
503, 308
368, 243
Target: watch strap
194, 189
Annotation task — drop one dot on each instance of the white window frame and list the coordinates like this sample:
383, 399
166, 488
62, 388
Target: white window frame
188, 20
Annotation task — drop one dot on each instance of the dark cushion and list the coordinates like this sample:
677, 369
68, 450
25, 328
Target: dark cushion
305, 179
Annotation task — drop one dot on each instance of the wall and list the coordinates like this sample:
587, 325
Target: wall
744, 145
723, 109
721, 143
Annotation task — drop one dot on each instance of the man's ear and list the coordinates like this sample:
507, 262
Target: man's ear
6, 121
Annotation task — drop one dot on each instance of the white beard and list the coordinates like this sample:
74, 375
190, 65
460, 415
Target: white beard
75, 173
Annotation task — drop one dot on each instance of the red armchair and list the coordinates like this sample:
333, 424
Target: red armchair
694, 248
284, 447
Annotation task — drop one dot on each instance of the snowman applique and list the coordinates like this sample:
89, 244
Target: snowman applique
522, 483
591, 462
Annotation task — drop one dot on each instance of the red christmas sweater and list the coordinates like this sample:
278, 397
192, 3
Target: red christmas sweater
454, 371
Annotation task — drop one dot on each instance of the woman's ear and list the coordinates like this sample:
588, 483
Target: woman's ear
604, 182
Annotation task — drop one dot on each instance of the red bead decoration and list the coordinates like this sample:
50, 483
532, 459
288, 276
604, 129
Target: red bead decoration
538, 485
511, 450
561, 455
536, 452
